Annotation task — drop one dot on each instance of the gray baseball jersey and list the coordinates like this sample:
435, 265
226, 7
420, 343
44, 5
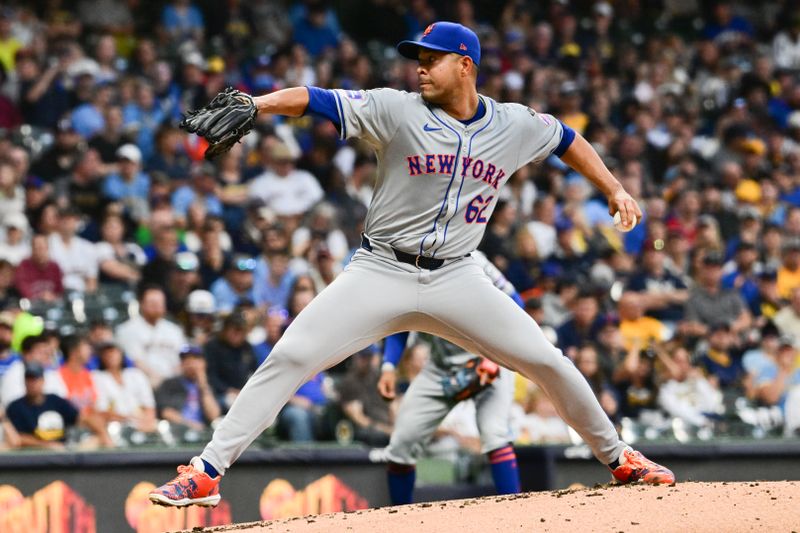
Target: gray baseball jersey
438, 179
437, 186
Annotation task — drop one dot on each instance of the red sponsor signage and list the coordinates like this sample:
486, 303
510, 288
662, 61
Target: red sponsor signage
325, 495
55, 508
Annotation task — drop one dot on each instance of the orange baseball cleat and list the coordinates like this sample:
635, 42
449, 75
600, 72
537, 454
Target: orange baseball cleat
192, 486
636, 468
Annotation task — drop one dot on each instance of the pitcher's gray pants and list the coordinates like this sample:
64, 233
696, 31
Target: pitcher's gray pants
377, 296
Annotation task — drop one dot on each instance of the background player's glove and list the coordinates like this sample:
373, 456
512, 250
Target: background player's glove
470, 379
223, 121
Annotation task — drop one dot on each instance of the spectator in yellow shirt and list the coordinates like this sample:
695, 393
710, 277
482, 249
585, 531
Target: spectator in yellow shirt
9, 45
634, 326
789, 272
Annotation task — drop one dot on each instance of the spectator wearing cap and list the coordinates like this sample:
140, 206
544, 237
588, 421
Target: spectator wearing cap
322, 229
720, 358
230, 358
201, 189
33, 349
39, 277
286, 190
87, 118
75, 255
45, 98
662, 293
188, 399
743, 276
149, 339
200, 314
237, 284
41, 418
123, 392
59, 159
789, 271
710, 303
182, 279
787, 319
16, 245
129, 185
119, 262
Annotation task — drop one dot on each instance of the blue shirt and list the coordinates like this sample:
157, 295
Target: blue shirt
748, 290
265, 292
87, 120
185, 196
7, 362
312, 390
192, 410
186, 22
27, 418
226, 297
116, 188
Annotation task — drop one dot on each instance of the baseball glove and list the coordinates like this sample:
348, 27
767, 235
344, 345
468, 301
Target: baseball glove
468, 380
226, 119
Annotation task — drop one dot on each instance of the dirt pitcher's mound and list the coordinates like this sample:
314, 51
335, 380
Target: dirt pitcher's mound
712, 507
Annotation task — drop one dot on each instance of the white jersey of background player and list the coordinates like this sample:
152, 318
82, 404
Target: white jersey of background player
443, 154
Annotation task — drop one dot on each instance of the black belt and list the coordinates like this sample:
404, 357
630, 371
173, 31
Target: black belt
419, 261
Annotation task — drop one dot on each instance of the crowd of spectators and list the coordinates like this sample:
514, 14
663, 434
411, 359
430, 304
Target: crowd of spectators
141, 285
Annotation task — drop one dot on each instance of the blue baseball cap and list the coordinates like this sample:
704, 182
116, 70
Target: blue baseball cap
445, 37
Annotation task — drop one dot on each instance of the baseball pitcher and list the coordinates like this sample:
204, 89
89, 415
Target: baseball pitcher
443, 155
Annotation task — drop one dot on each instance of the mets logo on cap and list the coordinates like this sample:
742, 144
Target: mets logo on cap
428, 29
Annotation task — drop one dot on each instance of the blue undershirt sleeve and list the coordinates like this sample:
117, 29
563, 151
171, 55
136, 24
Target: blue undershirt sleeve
322, 103
566, 140
518, 299
393, 347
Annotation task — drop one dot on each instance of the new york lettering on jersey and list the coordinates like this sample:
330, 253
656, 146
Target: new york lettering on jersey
443, 164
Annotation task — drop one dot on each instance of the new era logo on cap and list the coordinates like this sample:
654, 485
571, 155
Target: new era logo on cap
428, 29
462, 46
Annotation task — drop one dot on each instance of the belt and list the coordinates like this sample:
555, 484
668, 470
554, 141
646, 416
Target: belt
419, 261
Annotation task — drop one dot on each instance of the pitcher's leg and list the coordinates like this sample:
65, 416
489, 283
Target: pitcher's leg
360, 307
468, 303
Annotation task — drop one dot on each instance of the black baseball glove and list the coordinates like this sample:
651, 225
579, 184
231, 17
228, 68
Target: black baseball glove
226, 119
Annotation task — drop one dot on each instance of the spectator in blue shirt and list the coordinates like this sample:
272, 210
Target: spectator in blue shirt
143, 116
300, 419
744, 276
7, 356
201, 188
273, 280
42, 420
314, 31
129, 185
181, 21
188, 400
236, 285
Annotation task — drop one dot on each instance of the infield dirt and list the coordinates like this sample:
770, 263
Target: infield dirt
686, 507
